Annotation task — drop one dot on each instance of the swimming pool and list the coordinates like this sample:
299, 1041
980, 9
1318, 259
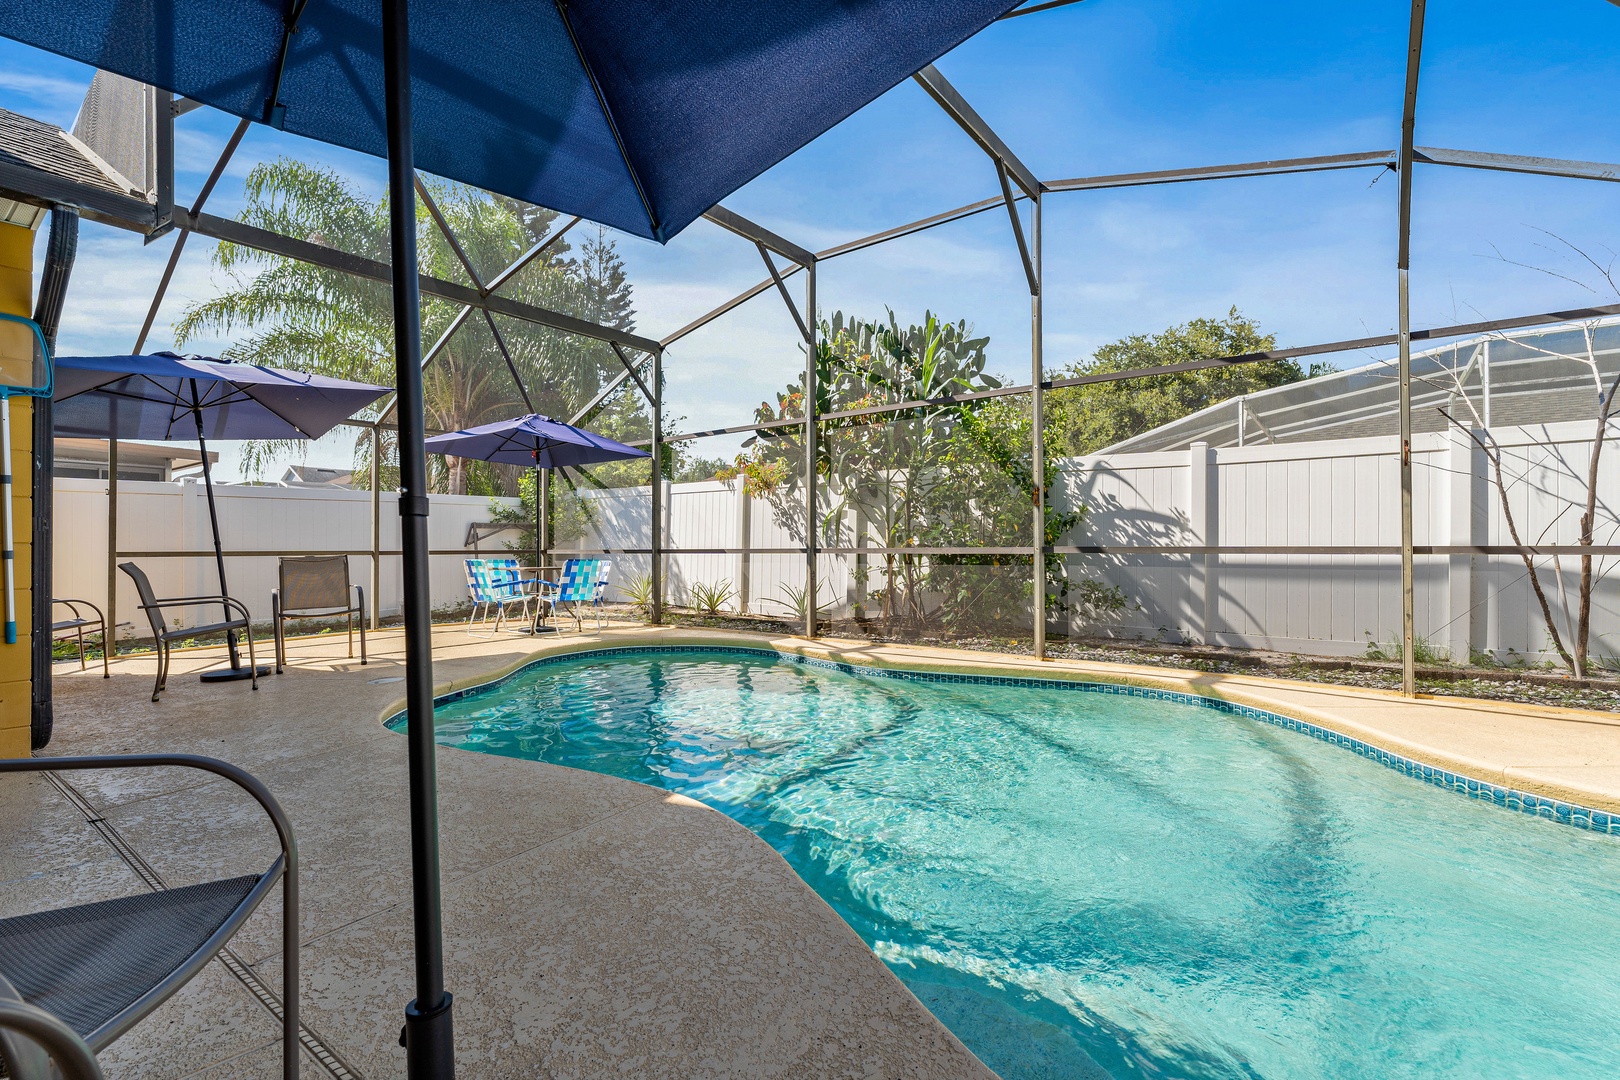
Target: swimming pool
1085, 884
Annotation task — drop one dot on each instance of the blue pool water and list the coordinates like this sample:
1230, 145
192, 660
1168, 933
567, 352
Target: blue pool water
1092, 885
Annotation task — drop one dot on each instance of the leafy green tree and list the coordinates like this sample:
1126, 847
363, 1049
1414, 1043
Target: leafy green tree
291, 314
1084, 419
951, 475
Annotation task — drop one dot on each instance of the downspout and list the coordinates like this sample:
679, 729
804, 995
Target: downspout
60, 250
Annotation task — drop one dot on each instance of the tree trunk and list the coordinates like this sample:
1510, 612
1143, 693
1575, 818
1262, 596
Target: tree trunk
1583, 623
1529, 563
1494, 456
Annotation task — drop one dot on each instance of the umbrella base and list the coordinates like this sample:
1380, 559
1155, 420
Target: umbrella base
234, 674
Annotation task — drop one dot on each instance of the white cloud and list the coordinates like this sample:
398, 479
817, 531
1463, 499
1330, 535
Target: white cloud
60, 97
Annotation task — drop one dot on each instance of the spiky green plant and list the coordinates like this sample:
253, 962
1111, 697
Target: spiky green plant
711, 599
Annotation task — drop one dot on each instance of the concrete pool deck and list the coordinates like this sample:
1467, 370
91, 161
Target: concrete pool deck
592, 926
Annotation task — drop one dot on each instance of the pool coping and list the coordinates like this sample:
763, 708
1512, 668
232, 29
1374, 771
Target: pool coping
1222, 694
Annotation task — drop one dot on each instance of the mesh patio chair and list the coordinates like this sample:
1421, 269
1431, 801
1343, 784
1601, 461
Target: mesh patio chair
165, 637
93, 971
576, 587
95, 622
494, 588
313, 586
605, 572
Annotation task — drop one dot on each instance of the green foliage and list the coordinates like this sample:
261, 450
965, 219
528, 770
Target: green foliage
291, 314
711, 599
640, 592
952, 475
1424, 652
1084, 419
795, 602
608, 298
699, 468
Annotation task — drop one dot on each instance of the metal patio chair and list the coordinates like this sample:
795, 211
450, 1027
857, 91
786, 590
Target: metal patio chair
93, 971
165, 637
313, 586
78, 624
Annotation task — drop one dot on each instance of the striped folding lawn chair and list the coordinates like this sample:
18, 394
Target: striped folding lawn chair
492, 588
577, 586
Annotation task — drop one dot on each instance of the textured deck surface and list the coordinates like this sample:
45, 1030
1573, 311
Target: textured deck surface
592, 926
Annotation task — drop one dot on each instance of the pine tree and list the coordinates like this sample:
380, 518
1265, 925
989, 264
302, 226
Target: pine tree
607, 288
538, 223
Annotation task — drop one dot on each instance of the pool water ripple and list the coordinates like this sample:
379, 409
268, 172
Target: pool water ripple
1094, 885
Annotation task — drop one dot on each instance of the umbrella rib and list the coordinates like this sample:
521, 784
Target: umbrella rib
261, 403
607, 115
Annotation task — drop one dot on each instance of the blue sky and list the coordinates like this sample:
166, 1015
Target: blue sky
1100, 87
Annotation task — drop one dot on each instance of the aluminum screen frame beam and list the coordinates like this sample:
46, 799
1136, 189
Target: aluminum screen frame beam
1384, 159
478, 282
758, 234
1517, 163
956, 107
236, 232
1551, 318
180, 241
495, 283
1403, 262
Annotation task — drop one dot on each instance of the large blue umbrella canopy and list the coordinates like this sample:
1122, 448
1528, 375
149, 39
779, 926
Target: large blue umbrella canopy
533, 440
158, 397
639, 114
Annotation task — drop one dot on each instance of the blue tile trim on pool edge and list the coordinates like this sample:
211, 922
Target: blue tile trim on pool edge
1565, 813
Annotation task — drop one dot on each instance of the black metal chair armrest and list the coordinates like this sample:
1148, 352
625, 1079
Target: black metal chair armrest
284, 869
73, 605
200, 601
178, 601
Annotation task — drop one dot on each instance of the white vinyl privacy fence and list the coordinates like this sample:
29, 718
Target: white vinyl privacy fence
158, 520
1308, 536
1292, 547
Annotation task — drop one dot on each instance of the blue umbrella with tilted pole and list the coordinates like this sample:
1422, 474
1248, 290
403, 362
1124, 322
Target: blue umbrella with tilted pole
167, 396
641, 116
536, 441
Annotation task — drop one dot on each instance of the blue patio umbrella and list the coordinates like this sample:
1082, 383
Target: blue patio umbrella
166, 396
639, 114
536, 441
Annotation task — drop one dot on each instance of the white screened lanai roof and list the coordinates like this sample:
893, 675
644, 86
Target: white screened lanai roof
1540, 376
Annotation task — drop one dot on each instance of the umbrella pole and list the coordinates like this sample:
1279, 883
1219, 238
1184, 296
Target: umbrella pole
236, 670
428, 1036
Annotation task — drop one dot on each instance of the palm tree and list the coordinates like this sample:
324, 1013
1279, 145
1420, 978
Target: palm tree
291, 314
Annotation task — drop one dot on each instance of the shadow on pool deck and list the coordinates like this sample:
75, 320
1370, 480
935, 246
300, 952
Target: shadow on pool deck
592, 925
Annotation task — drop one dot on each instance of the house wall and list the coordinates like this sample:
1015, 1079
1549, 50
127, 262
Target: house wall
16, 353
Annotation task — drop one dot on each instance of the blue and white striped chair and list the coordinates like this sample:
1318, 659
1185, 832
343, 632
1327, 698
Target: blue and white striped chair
601, 590
576, 586
491, 587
